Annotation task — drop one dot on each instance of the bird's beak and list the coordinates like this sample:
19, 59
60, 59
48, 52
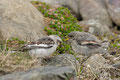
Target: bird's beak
59, 42
67, 38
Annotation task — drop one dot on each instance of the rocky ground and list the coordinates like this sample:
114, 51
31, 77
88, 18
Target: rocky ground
64, 64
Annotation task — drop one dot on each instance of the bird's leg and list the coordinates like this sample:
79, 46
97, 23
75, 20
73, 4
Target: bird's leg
86, 57
47, 59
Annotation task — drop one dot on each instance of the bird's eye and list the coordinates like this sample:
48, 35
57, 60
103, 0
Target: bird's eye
70, 36
59, 42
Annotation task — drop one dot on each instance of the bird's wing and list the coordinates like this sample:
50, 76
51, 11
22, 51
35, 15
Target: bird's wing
45, 42
88, 43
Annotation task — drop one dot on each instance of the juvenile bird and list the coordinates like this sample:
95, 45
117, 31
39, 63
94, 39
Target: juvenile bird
85, 43
43, 47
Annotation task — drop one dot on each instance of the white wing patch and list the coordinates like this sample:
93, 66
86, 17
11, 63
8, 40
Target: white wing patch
89, 42
40, 45
43, 43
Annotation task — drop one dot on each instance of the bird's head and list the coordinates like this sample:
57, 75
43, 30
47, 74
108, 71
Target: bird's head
56, 38
72, 35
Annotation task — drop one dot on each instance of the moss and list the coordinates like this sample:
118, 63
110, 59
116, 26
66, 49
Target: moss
62, 22
114, 44
14, 43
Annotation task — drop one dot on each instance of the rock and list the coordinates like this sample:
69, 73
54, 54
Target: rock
95, 27
19, 18
64, 60
43, 73
96, 10
116, 65
114, 10
71, 4
95, 68
116, 79
95, 62
109, 73
104, 75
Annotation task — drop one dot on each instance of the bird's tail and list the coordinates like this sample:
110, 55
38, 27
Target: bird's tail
22, 49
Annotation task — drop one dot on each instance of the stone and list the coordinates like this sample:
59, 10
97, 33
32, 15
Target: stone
113, 7
94, 9
19, 18
104, 75
95, 62
71, 4
97, 67
43, 73
116, 65
95, 27
64, 60
109, 73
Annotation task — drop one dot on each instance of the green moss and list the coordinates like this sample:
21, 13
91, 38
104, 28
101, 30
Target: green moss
62, 23
13, 43
115, 44
17, 40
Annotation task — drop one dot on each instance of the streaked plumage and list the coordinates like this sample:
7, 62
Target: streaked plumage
43, 47
85, 43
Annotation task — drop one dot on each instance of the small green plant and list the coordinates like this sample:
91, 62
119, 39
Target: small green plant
14, 43
62, 22
11, 60
115, 44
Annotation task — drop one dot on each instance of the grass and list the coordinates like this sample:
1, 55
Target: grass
115, 44
60, 22
10, 62
15, 61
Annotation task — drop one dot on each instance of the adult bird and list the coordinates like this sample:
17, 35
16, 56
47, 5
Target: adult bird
43, 47
85, 43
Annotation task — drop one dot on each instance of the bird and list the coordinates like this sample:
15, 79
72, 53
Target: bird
43, 47
85, 43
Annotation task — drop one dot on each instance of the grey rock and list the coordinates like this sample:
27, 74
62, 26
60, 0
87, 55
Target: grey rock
114, 10
95, 9
64, 60
19, 18
95, 67
71, 4
116, 79
116, 65
95, 62
105, 76
99, 66
109, 73
43, 73
95, 27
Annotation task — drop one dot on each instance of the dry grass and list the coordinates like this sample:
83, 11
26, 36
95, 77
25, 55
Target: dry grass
17, 61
